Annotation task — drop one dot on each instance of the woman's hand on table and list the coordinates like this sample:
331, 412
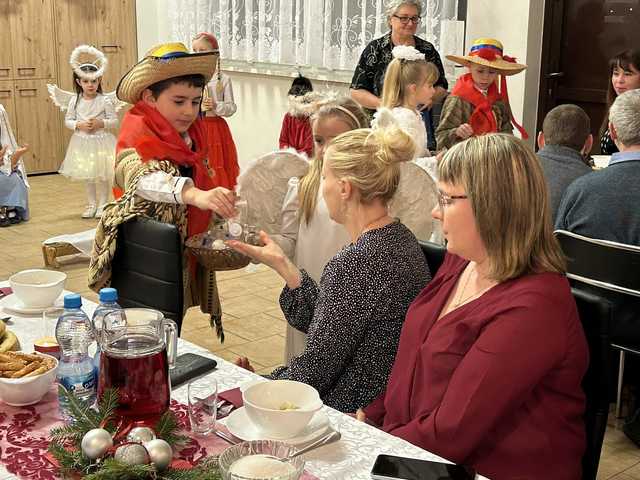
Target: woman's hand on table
361, 416
243, 362
271, 255
219, 199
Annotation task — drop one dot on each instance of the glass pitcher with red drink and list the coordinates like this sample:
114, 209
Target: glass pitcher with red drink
138, 348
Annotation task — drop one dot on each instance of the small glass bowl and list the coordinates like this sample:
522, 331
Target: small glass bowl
265, 447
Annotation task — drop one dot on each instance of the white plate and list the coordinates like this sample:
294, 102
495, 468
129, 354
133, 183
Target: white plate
11, 304
239, 425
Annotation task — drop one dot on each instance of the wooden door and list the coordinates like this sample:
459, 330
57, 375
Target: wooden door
38, 125
8, 102
75, 25
32, 39
7, 10
580, 36
116, 37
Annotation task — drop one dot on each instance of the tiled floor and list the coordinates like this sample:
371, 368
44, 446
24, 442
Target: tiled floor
253, 322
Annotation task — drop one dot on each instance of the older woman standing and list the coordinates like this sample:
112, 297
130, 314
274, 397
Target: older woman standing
403, 17
354, 316
492, 353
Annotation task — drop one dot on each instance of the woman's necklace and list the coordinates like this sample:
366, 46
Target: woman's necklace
372, 224
459, 299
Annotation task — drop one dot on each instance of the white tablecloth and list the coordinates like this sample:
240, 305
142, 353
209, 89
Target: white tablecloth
350, 458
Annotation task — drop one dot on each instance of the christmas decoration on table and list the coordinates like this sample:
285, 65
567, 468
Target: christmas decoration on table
96, 445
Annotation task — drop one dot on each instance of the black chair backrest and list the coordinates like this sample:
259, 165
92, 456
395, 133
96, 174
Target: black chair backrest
147, 267
601, 263
434, 254
595, 316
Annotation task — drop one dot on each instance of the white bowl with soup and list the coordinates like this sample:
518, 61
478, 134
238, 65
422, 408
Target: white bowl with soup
281, 408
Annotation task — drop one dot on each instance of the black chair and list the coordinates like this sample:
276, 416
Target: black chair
606, 267
434, 254
595, 316
147, 267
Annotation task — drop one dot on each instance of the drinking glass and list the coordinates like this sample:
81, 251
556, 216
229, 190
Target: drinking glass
203, 401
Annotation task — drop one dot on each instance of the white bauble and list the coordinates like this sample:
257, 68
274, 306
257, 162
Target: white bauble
141, 435
96, 442
160, 453
132, 454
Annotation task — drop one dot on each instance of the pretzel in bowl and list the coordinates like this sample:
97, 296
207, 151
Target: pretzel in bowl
23, 365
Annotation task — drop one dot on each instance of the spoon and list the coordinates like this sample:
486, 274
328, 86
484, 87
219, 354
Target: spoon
334, 436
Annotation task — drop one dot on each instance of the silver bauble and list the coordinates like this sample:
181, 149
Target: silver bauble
141, 435
96, 442
160, 453
132, 454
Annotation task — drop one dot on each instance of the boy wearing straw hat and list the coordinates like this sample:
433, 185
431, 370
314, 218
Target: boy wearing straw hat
476, 106
162, 168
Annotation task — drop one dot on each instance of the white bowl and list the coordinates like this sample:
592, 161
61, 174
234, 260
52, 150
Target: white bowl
263, 402
27, 391
37, 288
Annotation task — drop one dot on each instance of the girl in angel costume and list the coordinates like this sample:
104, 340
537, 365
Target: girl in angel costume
89, 113
408, 82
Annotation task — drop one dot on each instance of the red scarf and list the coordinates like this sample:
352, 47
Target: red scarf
482, 119
153, 137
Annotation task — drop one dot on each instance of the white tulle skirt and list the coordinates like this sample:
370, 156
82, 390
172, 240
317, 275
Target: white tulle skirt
90, 157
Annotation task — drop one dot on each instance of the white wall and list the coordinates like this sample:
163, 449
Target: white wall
518, 25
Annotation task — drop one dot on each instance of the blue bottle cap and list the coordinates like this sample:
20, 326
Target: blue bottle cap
108, 295
73, 300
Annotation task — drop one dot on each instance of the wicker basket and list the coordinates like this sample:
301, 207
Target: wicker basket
218, 260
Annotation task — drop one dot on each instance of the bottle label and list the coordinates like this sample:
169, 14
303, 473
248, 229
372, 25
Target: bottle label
80, 385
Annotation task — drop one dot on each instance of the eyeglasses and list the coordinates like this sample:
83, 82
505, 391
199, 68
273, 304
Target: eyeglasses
404, 20
445, 200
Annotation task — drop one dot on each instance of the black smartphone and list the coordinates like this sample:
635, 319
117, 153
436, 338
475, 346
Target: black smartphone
390, 467
188, 366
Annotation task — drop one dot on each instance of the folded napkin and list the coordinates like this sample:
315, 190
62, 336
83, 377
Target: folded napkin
4, 291
228, 401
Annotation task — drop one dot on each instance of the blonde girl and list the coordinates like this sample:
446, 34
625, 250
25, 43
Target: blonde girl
408, 86
309, 236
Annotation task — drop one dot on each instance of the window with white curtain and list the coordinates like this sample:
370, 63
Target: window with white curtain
317, 34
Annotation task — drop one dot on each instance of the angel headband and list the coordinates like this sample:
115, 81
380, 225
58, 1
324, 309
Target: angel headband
98, 63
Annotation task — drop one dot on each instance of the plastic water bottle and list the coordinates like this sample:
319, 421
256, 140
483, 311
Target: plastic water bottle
108, 303
75, 370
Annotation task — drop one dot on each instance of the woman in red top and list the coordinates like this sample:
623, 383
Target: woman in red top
492, 353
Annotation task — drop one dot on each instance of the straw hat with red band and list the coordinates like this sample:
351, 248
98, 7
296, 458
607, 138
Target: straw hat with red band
488, 52
162, 62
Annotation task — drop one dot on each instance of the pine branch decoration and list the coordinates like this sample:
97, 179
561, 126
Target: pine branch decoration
167, 428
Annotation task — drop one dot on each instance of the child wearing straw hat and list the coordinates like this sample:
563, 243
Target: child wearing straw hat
162, 167
476, 105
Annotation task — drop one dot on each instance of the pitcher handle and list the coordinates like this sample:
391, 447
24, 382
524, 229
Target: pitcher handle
171, 340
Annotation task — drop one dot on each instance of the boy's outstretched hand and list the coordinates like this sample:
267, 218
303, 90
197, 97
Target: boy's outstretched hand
219, 199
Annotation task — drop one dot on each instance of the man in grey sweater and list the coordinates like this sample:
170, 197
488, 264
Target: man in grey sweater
565, 142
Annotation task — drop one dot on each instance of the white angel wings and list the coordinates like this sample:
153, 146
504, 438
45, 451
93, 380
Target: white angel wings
264, 185
61, 98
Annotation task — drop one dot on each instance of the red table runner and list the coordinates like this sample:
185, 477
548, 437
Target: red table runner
24, 438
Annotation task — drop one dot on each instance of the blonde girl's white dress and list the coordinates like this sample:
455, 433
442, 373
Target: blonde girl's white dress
90, 156
311, 245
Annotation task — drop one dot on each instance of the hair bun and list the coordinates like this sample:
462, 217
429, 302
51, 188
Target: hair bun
394, 144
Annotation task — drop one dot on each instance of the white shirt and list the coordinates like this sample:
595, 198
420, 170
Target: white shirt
411, 122
225, 103
80, 110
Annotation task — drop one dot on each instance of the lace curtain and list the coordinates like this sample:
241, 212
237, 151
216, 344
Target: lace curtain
327, 34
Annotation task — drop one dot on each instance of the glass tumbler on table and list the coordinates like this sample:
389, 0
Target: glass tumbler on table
202, 403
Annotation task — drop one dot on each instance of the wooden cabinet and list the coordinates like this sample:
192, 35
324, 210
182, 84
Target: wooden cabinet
7, 101
6, 61
32, 39
38, 125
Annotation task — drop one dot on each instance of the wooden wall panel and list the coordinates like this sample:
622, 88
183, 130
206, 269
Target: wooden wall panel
32, 39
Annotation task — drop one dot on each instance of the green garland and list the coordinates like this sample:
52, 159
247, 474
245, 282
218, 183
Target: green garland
66, 440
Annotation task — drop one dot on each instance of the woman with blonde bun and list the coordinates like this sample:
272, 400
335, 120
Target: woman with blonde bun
354, 315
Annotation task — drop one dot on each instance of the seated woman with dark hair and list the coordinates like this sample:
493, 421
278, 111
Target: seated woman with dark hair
492, 353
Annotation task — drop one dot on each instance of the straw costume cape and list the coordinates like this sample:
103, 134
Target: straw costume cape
148, 143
